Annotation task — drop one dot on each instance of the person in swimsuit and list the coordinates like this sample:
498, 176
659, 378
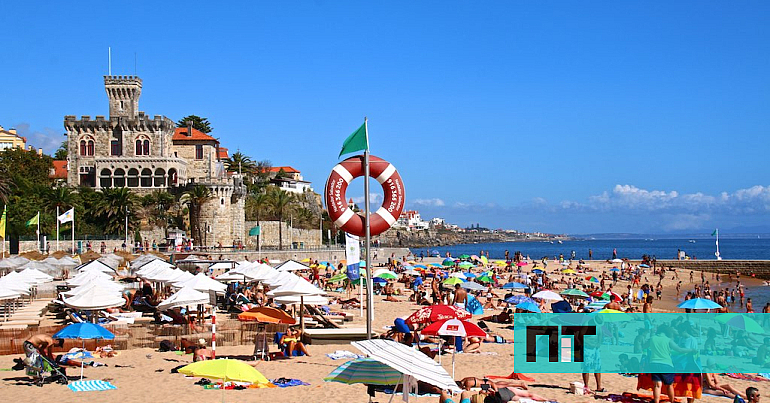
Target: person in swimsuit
460, 297
292, 339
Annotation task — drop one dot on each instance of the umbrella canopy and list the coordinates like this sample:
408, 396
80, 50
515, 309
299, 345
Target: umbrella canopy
465, 265
224, 369
466, 256
95, 265
592, 279
459, 275
84, 331
537, 271
574, 292
291, 265
435, 313
484, 279
453, 281
266, 315
469, 285
517, 299
614, 269
37, 274
522, 263
202, 283
469, 275
596, 305
408, 361
337, 278
8, 294
548, 294
699, 303
740, 322
98, 299
385, 273
514, 286
448, 263
87, 277
96, 284
616, 261
644, 266
296, 286
528, 306
611, 296
186, 296
297, 299
454, 327
364, 370
569, 271
412, 272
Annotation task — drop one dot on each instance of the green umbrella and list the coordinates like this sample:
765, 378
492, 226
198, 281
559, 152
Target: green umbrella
387, 275
465, 265
453, 281
741, 322
464, 256
364, 370
574, 292
448, 263
338, 278
484, 279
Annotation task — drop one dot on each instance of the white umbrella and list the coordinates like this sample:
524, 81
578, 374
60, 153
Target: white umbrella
37, 274
616, 261
187, 296
232, 276
7, 264
8, 294
203, 283
459, 275
137, 263
408, 361
181, 276
222, 266
159, 274
113, 263
89, 287
291, 265
296, 286
279, 278
305, 299
95, 265
150, 265
261, 272
86, 277
548, 294
98, 298
18, 277
16, 286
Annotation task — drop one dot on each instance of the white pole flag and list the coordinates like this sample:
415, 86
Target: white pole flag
68, 216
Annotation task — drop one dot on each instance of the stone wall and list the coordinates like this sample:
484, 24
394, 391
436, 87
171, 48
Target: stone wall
302, 238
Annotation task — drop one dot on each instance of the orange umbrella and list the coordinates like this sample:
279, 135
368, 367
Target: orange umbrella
266, 314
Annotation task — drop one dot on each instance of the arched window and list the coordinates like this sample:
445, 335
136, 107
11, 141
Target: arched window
146, 178
90, 148
82, 147
172, 178
142, 145
87, 146
119, 178
133, 178
160, 178
105, 178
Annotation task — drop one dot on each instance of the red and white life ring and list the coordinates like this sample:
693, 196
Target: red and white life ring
337, 204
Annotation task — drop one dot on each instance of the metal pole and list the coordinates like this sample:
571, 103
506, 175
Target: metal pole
57, 228
127, 244
369, 288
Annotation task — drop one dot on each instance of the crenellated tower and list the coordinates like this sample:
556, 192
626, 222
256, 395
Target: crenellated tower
123, 93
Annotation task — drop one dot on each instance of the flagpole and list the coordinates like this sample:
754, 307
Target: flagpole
57, 228
73, 230
5, 216
369, 282
38, 231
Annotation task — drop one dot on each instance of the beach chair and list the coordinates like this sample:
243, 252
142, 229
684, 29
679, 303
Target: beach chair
261, 346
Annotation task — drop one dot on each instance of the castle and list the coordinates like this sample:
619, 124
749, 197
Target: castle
130, 149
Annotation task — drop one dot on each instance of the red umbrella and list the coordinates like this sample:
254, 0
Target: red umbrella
454, 327
597, 294
435, 313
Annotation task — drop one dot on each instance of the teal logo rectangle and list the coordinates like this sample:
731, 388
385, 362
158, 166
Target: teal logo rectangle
641, 343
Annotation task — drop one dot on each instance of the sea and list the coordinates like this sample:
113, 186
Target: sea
744, 248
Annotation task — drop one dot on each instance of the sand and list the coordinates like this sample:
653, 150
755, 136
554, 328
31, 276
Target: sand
143, 375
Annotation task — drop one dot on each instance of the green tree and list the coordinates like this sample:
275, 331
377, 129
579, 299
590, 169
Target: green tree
199, 123
157, 207
239, 162
281, 201
61, 197
5, 185
115, 204
257, 206
61, 152
25, 169
194, 199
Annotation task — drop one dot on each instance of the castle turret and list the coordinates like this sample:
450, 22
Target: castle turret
123, 93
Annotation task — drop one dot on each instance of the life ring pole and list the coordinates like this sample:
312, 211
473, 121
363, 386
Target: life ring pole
367, 219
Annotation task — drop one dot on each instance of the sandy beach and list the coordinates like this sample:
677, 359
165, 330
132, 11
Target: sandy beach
143, 375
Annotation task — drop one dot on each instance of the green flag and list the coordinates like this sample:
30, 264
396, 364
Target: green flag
2, 223
34, 220
355, 142
714, 233
254, 231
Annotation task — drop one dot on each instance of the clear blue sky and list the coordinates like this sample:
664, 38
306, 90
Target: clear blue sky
569, 117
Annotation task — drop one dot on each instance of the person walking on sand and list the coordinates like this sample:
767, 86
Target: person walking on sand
460, 297
614, 253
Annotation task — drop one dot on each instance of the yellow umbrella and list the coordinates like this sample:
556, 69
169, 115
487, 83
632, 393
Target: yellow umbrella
501, 263
305, 260
484, 260
568, 271
226, 370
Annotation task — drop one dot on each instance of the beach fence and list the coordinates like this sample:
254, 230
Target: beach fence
132, 336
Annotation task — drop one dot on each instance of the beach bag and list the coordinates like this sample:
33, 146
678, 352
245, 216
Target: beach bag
166, 345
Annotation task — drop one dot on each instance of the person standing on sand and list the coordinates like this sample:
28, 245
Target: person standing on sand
460, 297
647, 307
614, 253
590, 254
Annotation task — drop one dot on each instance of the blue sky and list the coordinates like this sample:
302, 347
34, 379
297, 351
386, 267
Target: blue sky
567, 117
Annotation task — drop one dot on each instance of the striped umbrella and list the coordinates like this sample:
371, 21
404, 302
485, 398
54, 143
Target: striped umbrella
364, 370
574, 292
408, 361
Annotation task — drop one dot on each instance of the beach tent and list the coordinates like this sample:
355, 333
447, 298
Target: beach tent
186, 296
84, 331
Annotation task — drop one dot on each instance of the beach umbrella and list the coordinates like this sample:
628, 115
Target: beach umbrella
437, 265
291, 265
412, 272
611, 296
469, 275
364, 370
548, 294
202, 283
517, 299
484, 279
186, 296
226, 370
484, 260
740, 322
385, 273
596, 305
433, 313
465, 256
514, 286
561, 307
99, 298
593, 279
448, 263
465, 265
454, 327
568, 271
453, 281
521, 263
458, 274
616, 261
305, 260
528, 306
408, 361
361, 263
644, 266
537, 271
84, 331
574, 292
8, 294
337, 278
266, 315
422, 266
699, 303
469, 285
90, 287
501, 263
301, 299
614, 269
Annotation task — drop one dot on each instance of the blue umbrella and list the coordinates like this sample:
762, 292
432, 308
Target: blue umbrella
469, 275
537, 271
529, 306
514, 286
84, 331
644, 265
517, 299
614, 269
422, 266
699, 303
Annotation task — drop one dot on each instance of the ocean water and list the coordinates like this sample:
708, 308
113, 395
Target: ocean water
704, 248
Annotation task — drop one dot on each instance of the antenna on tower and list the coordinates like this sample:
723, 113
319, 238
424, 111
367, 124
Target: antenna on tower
109, 60
134, 64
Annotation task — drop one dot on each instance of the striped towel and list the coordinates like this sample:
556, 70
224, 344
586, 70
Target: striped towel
90, 386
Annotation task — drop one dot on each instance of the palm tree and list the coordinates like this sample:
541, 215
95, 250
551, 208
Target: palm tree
62, 197
157, 205
280, 200
5, 186
195, 198
114, 206
239, 162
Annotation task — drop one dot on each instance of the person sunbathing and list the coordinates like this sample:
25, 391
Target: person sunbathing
292, 340
502, 317
471, 382
711, 386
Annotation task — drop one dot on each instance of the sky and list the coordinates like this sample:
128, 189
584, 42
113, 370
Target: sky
561, 117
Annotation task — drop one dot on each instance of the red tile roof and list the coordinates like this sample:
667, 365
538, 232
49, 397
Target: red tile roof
181, 134
223, 153
59, 170
288, 170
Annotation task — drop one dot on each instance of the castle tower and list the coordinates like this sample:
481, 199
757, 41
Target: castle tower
123, 93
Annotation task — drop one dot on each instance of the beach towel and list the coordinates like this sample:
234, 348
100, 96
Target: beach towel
285, 382
746, 377
90, 386
513, 375
343, 355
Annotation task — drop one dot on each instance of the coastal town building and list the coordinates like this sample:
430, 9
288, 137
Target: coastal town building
288, 179
411, 221
10, 139
130, 149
